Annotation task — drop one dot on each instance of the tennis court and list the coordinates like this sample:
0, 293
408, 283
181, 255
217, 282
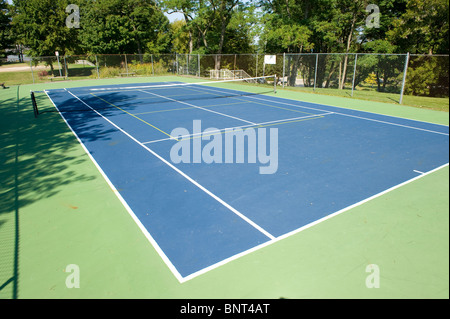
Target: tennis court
199, 216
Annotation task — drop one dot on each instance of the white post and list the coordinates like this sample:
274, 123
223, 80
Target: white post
284, 68
59, 64
404, 78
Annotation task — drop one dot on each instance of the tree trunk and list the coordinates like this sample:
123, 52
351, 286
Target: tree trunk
330, 74
349, 41
191, 40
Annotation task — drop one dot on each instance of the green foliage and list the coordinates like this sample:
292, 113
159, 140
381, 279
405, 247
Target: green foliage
110, 72
123, 26
428, 77
41, 24
422, 27
5, 27
250, 26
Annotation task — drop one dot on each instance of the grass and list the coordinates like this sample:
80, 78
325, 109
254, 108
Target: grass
81, 72
433, 103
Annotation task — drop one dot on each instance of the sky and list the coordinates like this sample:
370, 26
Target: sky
174, 16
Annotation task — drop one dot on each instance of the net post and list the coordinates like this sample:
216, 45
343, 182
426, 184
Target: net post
33, 101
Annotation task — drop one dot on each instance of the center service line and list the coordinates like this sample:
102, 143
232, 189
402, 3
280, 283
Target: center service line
198, 107
245, 218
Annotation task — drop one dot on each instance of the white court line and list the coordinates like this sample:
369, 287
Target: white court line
121, 199
198, 107
237, 127
225, 261
343, 114
144, 230
177, 84
296, 231
419, 172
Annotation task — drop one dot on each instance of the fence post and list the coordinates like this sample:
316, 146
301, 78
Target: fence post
153, 67
199, 69
284, 68
354, 73
96, 64
31, 67
59, 64
256, 65
187, 63
126, 64
315, 71
66, 73
404, 78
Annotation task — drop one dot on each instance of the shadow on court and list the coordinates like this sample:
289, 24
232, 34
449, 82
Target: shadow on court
36, 162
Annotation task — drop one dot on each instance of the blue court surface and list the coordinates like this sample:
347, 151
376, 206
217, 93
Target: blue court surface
200, 215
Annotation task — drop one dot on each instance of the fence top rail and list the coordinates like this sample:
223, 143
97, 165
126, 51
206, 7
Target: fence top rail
242, 54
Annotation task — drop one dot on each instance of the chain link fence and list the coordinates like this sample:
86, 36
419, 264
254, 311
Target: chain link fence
385, 77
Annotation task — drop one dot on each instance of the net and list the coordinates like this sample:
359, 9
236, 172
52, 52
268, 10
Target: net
129, 96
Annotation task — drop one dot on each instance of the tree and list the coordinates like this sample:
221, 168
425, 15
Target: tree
371, 79
241, 32
123, 26
182, 38
422, 28
41, 25
5, 27
189, 9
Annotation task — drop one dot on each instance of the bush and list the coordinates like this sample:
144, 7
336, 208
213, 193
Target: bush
428, 76
109, 72
141, 69
43, 73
